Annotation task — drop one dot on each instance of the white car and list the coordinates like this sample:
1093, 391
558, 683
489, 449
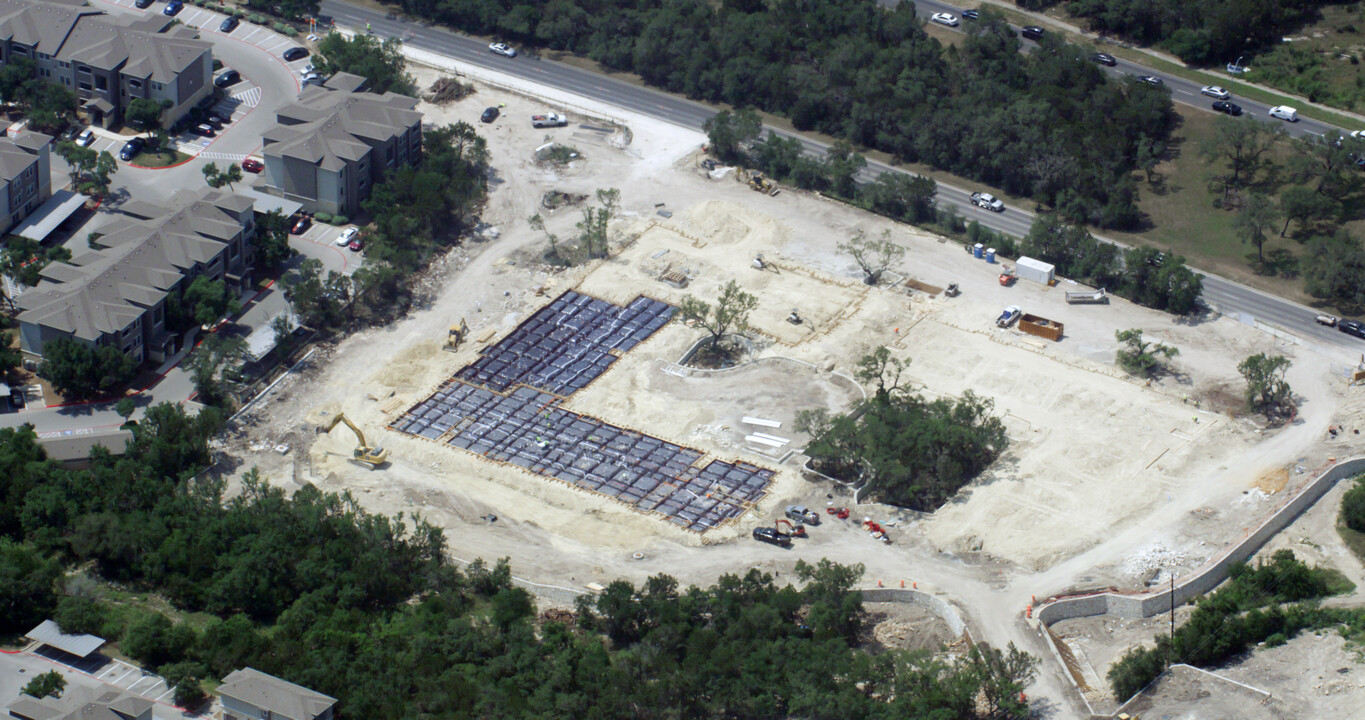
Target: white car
987, 201
502, 49
1358, 134
1214, 91
347, 236
86, 137
944, 19
1285, 113
307, 70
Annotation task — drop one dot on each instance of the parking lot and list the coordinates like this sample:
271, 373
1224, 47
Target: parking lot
18, 668
319, 243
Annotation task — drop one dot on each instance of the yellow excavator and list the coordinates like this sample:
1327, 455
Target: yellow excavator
456, 336
371, 457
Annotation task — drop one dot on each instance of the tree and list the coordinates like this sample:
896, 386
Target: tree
592, 228
154, 640
1353, 508
217, 178
283, 326
843, 166
1243, 145
1257, 216
538, 223
78, 371
873, 256
27, 579
50, 683
81, 614
902, 196
1139, 357
184, 678
145, 113
381, 62
882, 370
730, 133
210, 301
289, 9
90, 171
10, 360
1334, 270
317, 302
730, 313
23, 259
14, 74
214, 359
272, 240
1002, 677
1149, 155
1305, 206
1329, 164
1267, 391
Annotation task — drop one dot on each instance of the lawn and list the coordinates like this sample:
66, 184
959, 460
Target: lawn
160, 159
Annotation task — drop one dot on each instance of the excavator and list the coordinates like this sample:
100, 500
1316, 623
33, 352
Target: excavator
371, 457
456, 336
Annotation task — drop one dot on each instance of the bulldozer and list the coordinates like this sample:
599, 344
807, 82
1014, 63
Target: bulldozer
456, 336
371, 457
758, 182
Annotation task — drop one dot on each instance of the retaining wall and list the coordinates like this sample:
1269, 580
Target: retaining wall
933, 603
1208, 577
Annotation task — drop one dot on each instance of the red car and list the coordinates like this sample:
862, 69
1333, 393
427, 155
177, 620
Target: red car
252, 165
357, 245
302, 225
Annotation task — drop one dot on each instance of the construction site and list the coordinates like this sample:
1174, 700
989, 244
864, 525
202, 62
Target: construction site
552, 415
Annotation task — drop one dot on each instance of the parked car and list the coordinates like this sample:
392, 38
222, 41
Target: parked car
217, 64
1285, 113
1328, 320
1230, 108
131, 149
143, 4
219, 121
1104, 59
252, 165
771, 536
802, 514
1150, 80
356, 245
1358, 134
86, 137
307, 70
173, 8
204, 130
948, 19
295, 53
1031, 32
347, 235
302, 225
227, 78
229, 24
312, 79
987, 201
1215, 92
16, 398
503, 49
489, 115
1352, 327
971, 14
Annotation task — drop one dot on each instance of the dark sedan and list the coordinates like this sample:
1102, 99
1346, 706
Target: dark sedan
229, 24
295, 53
1104, 59
228, 77
1231, 108
1352, 327
173, 8
489, 115
131, 149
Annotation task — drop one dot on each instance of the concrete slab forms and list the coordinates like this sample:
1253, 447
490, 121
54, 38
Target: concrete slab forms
554, 353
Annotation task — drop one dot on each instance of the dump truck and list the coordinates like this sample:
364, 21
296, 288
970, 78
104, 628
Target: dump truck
1093, 297
549, 120
1042, 327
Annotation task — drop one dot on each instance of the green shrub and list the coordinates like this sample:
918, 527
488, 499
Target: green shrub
1353, 507
340, 220
289, 31
323, 217
256, 19
279, 27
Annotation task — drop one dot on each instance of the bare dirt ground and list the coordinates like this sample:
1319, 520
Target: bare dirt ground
1101, 469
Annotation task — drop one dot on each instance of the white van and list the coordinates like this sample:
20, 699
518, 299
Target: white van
1284, 112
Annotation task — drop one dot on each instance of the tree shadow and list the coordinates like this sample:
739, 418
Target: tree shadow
1276, 262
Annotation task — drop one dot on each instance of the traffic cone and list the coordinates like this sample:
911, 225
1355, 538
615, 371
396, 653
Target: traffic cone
902, 583
879, 583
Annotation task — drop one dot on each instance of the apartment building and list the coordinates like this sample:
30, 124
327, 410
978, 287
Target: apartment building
109, 61
249, 694
329, 149
25, 176
117, 294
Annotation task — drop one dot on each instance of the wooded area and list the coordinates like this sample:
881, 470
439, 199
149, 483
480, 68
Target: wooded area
368, 609
1047, 125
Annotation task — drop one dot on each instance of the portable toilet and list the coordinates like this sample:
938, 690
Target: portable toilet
990, 255
977, 250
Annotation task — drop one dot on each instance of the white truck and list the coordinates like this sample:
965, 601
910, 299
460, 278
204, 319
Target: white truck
549, 120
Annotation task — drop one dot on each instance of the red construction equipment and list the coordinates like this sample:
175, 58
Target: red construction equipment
792, 530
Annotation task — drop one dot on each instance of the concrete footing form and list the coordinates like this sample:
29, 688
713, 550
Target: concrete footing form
556, 352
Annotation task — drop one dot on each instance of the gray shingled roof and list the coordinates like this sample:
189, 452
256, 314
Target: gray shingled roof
16, 156
103, 291
329, 126
139, 46
267, 692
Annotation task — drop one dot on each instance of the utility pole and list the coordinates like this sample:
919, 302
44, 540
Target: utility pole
1171, 651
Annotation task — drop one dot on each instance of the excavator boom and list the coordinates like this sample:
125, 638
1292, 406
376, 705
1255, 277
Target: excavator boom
364, 454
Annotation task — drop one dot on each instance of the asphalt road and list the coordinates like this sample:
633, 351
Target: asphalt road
1224, 295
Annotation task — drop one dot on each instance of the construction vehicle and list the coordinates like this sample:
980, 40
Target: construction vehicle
1007, 277
952, 290
796, 530
764, 185
371, 457
456, 336
802, 514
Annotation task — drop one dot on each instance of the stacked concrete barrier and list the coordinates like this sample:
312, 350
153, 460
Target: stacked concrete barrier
1208, 577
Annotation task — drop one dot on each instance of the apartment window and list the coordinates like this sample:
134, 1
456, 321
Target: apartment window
20, 50
83, 69
156, 86
84, 86
64, 64
66, 81
135, 84
101, 83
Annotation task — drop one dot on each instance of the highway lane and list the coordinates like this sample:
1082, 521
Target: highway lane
1224, 295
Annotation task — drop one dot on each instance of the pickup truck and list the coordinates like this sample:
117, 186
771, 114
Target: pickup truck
549, 120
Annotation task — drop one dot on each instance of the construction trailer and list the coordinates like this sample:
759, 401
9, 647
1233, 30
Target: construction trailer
1088, 297
1042, 327
1036, 270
